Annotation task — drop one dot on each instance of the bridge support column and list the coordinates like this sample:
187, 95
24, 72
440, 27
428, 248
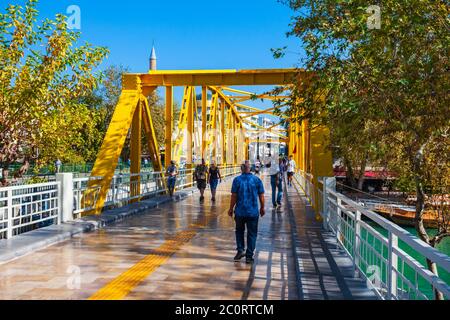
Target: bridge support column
222, 132
204, 120
320, 158
169, 125
135, 152
190, 128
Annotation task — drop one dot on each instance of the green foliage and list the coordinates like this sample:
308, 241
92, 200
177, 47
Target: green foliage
382, 92
43, 75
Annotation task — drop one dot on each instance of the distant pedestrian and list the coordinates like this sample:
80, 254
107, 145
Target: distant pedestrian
213, 178
276, 183
268, 161
257, 166
145, 162
58, 165
171, 174
290, 170
200, 177
246, 190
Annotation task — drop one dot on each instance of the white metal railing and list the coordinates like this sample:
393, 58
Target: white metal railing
381, 251
28, 207
122, 186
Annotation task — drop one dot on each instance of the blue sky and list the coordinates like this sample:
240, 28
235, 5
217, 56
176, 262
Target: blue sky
193, 34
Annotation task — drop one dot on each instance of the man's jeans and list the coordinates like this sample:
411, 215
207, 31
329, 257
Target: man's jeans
252, 232
273, 179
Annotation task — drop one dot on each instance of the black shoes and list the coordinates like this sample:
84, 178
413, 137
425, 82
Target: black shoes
239, 255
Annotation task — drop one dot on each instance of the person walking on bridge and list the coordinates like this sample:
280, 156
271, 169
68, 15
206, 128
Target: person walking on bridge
213, 178
290, 170
171, 174
246, 190
276, 182
200, 176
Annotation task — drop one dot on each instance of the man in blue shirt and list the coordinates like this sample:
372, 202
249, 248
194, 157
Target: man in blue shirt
246, 190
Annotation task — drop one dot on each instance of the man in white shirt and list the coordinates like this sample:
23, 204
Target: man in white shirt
290, 170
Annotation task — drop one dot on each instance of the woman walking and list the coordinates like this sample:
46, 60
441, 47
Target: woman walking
213, 179
171, 174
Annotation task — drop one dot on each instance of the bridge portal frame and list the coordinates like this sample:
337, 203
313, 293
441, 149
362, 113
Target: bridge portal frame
132, 110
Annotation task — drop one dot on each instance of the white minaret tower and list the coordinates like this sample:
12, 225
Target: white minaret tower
153, 59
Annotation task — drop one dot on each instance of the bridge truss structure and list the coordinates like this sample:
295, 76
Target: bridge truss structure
213, 128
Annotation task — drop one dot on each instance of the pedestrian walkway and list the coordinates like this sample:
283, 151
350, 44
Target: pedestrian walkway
185, 250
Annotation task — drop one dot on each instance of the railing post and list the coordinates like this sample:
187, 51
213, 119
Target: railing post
392, 266
357, 242
65, 192
113, 190
9, 207
325, 213
338, 218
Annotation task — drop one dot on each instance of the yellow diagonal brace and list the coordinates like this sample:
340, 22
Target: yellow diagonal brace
109, 153
151, 136
135, 153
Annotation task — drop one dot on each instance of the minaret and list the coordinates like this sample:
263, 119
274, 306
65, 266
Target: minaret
153, 60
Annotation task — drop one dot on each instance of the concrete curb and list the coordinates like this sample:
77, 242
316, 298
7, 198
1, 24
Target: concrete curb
28, 242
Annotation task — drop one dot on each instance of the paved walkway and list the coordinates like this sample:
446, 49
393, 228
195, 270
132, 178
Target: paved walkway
184, 250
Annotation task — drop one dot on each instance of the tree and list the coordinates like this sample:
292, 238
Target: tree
42, 77
390, 83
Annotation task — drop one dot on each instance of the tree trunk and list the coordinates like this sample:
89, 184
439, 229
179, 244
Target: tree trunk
420, 204
349, 172
362, 171
433, 268
23, 169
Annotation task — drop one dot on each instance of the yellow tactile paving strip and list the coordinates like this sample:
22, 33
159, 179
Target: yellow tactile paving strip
123, 284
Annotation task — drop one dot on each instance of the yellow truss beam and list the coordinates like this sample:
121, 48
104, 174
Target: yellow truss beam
266, 111
243, 106
220, 77
227, 101
246, 95
269, 140
186, 105
108, 155
263, 128
149, 130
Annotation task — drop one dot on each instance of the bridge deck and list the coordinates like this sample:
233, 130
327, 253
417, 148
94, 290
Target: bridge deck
184, 250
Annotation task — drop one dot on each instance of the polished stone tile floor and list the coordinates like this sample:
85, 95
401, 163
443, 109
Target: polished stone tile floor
185, 250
